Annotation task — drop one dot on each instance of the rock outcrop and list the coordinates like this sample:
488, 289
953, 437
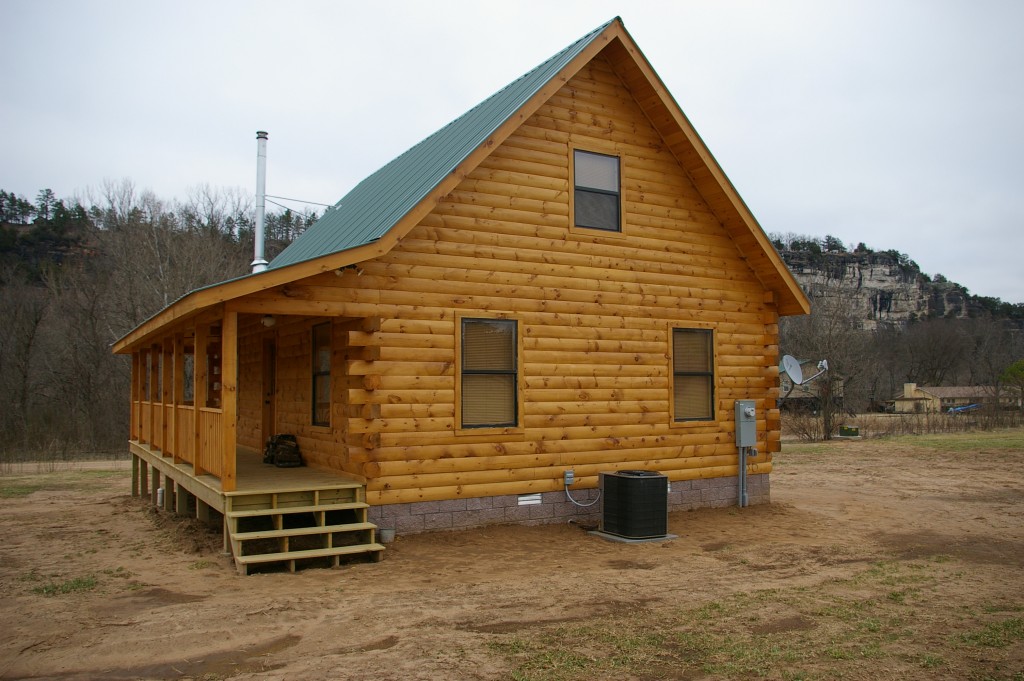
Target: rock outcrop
881, 288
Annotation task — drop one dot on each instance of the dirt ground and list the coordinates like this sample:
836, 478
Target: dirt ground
877, 559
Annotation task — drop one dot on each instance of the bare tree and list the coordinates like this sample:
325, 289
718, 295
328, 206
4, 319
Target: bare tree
934, 351
833, 332
23, 309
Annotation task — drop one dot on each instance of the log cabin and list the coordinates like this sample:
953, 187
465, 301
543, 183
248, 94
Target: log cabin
562, 279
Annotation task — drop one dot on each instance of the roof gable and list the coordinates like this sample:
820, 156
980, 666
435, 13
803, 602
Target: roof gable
381, 209
378, 203
396, 196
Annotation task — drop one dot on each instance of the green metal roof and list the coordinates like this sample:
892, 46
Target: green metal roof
379, 202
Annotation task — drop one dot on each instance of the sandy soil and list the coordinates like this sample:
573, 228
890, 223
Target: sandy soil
155, 599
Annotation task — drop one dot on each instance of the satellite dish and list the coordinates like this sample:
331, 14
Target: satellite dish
791, 366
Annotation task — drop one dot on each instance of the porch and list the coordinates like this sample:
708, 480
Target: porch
293, 516
209, 390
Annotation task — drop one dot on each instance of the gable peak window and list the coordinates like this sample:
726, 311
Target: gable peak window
596, 191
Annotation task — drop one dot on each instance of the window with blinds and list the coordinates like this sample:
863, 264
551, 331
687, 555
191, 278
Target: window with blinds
693, 375
596, 195
489, 373
321, 375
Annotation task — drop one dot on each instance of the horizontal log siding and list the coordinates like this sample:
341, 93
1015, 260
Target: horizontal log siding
322, 447
595, 313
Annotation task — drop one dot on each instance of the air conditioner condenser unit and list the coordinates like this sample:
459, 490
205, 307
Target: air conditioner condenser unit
634, 504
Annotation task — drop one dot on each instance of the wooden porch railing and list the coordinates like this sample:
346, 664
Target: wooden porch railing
182, 443
184, 422
157, 441
190, 433
145, 422
211, 441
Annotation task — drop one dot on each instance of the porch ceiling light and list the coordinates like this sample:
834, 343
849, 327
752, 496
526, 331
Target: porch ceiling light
268, 320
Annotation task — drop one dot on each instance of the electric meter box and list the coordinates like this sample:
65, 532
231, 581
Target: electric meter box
746, 423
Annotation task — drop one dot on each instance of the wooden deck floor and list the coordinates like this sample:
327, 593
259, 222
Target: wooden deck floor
252, 476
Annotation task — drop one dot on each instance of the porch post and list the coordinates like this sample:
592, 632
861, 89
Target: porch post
229, 395
177, 380
166, 420
133, 428
199, 373
154, 384
144, 435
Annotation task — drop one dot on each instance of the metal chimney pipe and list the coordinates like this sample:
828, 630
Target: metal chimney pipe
259, 264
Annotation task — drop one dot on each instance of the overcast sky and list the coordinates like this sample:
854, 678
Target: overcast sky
896, 123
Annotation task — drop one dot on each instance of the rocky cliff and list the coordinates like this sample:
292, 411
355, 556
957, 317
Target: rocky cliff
881, 288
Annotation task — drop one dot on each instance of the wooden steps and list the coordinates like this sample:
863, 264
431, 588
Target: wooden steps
252, 513
301, 526
308, 553
301, 531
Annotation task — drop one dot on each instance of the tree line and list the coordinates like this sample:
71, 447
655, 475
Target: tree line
77, 274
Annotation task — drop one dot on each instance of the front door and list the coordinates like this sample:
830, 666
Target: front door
269, 387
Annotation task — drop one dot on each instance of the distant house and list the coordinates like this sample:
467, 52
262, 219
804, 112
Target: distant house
917, 400
562, 279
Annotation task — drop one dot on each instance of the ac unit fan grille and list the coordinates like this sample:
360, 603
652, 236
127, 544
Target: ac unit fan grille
634, 504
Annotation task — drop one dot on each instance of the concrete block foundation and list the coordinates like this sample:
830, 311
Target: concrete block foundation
456, 514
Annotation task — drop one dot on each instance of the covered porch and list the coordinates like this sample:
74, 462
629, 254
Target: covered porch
206, 392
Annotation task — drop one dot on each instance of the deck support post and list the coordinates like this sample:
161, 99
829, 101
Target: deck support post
143, 477
135, 476
155, 485
169, 496
202, 511
226, 532
181, 496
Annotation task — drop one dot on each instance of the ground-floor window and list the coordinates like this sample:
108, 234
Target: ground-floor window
489, 373
322, 375
693, 375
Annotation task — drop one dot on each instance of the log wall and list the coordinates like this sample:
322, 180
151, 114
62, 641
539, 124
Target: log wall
322, 447
595, 313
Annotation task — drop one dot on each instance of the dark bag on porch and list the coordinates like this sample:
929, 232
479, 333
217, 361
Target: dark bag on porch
282, 451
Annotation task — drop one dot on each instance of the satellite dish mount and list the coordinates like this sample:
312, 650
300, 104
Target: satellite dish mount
791, 367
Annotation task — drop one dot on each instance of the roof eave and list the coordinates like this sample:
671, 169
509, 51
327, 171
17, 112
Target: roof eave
668, 118
203, 299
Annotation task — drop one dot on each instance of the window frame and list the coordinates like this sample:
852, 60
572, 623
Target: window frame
682, 420
596, 150
316, 373
517, 394
188, 375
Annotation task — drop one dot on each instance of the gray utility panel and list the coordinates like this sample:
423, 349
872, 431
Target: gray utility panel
746, 423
